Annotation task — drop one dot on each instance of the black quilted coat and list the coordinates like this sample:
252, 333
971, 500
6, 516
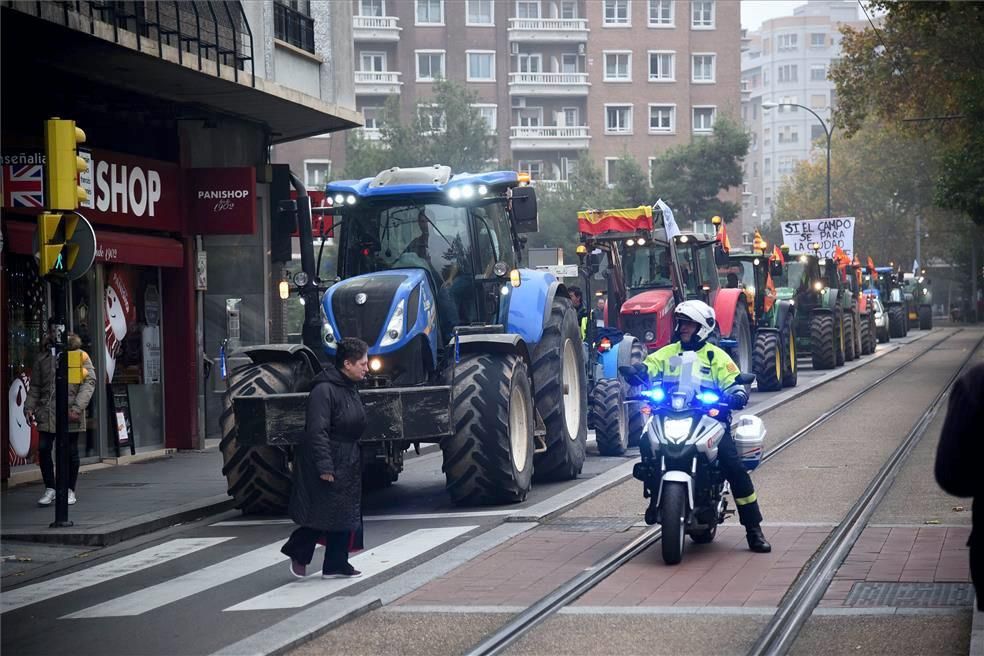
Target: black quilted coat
335, 421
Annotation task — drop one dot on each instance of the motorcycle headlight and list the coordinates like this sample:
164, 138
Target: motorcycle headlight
677, 430
394, 329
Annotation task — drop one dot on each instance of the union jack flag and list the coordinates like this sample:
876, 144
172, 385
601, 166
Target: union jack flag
23, 185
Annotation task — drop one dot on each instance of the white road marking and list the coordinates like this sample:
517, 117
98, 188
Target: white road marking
168, 592
378, 518
150, 557
373, 561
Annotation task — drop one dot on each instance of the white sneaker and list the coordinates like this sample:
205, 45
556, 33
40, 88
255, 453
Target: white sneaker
71, 497
47, 497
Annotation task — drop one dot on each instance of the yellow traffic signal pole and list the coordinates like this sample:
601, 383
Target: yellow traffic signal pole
55, 228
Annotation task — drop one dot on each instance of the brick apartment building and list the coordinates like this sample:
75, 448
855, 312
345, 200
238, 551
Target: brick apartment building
554, 78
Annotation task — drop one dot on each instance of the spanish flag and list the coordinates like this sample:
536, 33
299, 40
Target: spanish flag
722, 237
777, 255
840, 257
597, 222
871, 268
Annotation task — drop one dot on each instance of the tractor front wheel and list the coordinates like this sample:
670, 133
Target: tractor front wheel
822, 341
896, 321
768, 361
790, 368
606, 408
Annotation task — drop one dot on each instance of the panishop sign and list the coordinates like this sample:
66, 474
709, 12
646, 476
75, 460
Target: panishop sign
221, 201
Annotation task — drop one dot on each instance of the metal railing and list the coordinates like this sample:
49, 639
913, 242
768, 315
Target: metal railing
294, 27
375, 23
549, 132
549, 24
549, 79
377, 77
209, 30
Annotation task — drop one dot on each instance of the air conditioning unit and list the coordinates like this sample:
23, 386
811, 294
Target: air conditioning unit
514, 47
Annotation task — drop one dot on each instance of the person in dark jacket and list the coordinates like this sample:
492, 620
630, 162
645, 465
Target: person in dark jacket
958, 461
326, 494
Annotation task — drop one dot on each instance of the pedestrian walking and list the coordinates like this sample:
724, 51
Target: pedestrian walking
326, 495
40, 410
958, 461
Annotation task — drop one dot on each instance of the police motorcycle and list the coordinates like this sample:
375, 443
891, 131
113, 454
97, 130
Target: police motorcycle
684, 424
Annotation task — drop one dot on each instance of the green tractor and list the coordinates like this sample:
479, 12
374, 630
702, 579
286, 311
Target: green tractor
918, 301
773, 321
889, 286
823, 308
866, 329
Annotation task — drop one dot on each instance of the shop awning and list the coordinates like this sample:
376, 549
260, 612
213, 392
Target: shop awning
111, 247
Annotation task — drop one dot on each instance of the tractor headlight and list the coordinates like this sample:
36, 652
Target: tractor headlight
375, 364
327, 334
394, 329
818, 285
677, 430
649, 336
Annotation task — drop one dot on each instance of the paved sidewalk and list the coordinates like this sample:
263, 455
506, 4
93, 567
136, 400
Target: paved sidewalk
122, 502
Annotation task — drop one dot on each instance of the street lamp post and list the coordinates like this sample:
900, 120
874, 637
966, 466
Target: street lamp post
768, 104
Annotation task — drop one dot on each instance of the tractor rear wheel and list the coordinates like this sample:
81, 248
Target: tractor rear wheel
741, 331
768, 361
865, 336
839, 353
896, 321
606, 408
634, 409
258, 476
925, 318
790, 368
560, 394
849, 352
822, 341
488, 458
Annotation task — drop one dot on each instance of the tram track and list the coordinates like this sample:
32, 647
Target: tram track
589, 578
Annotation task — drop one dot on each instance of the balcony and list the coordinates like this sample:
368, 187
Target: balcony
375, 28
551, 185
377, 83
549, 138
549, 30
548, 84
371, 134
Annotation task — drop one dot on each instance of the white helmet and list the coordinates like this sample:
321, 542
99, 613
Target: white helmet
700, 313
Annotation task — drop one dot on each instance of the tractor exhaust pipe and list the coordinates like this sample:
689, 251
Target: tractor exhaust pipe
311, 331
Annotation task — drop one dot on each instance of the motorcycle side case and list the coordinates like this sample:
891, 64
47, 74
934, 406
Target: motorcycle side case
749, 438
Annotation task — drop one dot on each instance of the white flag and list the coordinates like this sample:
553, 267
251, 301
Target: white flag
668, 221
915, 267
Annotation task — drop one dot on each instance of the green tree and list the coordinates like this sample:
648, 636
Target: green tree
689, 178
446, 129
921, 63
631, 184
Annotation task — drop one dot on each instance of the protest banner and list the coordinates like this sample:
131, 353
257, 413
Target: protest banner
829, 233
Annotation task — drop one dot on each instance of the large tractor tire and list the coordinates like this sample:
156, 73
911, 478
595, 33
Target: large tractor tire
790, 368
925, 317
741, 331
634, 409
849, 343
896, 321
258, 476
606, 409
856, 316
561, 395
839, 353
823, 342
488, 459
867, 343
768, 361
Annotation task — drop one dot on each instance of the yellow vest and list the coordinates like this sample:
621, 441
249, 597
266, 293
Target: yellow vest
717, 373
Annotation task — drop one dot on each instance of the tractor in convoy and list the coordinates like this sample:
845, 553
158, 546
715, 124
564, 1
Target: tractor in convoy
822, 309
866, 331
888, 287
466, 349
773, 319
919, 301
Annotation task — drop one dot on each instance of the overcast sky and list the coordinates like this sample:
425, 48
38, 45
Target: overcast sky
753, 12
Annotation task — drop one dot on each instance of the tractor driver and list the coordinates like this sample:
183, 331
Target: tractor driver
420, 245
695, 322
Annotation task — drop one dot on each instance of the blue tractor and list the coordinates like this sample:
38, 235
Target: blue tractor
466, 349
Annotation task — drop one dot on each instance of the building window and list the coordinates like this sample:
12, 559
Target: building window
430, 65
372, 62
702, 14
788, 104
481, 66
569, 63
818, 101
746, 238
479, 12
661, 66
660, 13
662, 119
767, 167
531, 166
818, 73
617, 13
489, 115
618, 66
372, 8
430, 12
755, 170
765, 77
529, 117
788, 134
371, 117
787, 73
611, 164
529, 63
618, 119
568, 10
317, 173
818, 40
704, 119
816, 132
703, 68
292, 23
652, 164
527, 8
786, 165
571, 116
766, 138
787, 42
432, 118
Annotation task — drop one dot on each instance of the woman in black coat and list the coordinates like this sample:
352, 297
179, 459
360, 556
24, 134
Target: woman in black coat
326, 494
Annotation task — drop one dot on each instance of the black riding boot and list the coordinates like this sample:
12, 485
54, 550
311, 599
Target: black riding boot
756, 539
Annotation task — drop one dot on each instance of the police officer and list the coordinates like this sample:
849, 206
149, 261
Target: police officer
694, 324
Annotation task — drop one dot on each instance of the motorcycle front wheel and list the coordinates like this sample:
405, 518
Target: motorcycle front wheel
673, 511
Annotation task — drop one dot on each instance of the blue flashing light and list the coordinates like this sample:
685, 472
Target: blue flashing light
708, 398
657, 394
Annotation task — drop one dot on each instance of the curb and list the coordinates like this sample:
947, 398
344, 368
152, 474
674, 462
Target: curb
977, 634
109, 534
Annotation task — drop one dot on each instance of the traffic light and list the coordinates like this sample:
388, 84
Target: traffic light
54, 253
61, 143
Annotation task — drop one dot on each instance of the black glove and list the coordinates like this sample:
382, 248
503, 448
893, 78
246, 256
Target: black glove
737, 400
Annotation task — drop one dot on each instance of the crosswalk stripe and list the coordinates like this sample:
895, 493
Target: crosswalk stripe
150, 557
371, 562
375, 518
167, 592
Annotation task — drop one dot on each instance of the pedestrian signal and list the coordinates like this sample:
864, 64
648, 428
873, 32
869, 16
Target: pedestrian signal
56, 254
